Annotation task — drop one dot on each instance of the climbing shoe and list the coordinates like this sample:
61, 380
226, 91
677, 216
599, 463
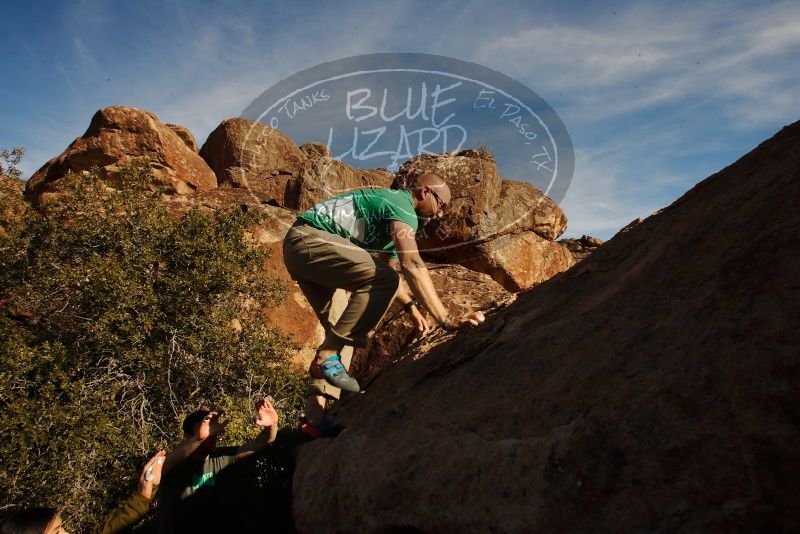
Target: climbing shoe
336, 375
324, 429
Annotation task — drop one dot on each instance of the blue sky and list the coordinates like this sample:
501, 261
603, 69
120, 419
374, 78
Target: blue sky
655, 95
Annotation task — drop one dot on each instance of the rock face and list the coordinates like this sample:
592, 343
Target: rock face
499, 227
329, 177
118, 135
250, 155
294, 316
504, 228
475, 185
315, 150
523, 207
652, 387
461, 291
519, 261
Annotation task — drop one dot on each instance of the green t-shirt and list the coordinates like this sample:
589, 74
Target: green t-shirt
363, 216
187, 497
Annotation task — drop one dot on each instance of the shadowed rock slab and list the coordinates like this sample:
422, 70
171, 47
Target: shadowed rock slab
652, 387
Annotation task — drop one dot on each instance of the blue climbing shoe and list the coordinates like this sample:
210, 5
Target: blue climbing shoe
336, 375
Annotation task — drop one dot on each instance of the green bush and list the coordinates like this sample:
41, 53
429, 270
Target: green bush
10, 160
115, 322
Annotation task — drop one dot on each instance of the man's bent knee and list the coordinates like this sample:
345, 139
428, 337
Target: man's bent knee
389, 277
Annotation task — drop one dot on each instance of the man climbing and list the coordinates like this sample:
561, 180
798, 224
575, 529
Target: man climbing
329, 247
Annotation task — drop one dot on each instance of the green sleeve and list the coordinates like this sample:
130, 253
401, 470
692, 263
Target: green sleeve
125, 515
392, 212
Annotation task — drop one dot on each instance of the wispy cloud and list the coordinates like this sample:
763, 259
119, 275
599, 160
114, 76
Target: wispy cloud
656, 96
636, 60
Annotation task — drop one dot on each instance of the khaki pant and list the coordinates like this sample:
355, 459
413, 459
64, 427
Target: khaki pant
321, 387
321, 263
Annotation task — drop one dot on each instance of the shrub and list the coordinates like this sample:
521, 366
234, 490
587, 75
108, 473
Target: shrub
9, 160
115, 322
12, 205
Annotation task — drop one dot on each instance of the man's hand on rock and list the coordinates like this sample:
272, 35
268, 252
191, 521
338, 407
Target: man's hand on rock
471, 319
467, 320
420, 323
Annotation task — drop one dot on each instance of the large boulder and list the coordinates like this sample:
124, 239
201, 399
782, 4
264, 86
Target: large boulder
250, 155
484, 206
503, 228
475, 186
523, 207
517, 261
461, 290
514, 244
119, 135
329, 177
652, 387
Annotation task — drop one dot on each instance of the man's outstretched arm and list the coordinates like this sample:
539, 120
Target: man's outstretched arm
267, 419
405, 300
136, 507
417, 276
